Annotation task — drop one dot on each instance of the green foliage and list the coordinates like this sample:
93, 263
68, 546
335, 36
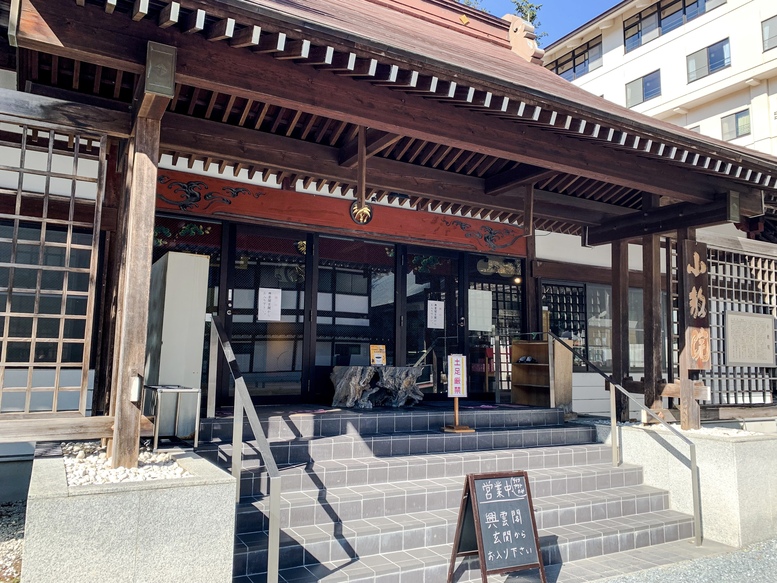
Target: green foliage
473, 4
529, 12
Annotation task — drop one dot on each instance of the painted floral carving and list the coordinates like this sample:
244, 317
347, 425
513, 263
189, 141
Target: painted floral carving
190, 195
494, 239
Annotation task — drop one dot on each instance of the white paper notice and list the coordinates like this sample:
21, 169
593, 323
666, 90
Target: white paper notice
480, 310
435, 315
268, 307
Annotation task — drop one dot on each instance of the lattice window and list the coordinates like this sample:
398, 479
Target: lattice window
739, 282
566, 304
51, 188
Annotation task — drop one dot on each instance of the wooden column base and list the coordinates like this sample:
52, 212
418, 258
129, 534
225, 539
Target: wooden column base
457, 429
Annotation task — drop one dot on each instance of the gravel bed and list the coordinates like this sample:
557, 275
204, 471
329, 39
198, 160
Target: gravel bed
87, 463
756, 563
11, 540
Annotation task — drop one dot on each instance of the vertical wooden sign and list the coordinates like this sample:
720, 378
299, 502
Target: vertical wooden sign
695, 274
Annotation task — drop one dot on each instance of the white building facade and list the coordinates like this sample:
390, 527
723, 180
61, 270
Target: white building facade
709, 66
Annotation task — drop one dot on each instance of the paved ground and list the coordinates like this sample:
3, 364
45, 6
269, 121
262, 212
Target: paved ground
673, 562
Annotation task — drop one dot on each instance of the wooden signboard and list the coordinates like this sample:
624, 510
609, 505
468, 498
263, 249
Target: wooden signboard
496, 522
696, 306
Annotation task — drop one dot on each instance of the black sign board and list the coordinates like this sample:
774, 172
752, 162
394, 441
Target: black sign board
496, 522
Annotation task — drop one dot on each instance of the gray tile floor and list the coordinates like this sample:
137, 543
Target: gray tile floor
610, 567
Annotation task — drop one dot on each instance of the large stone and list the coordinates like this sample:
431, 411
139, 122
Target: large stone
366, 386
158, 531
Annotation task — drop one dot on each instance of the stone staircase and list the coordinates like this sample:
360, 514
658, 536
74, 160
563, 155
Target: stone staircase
373, 496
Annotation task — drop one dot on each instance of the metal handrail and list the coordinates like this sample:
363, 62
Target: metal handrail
243, 404
616, 447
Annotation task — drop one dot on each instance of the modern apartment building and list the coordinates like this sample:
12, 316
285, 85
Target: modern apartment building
709, 66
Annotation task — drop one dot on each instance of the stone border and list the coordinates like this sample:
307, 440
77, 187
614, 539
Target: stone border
155, 531
736, 476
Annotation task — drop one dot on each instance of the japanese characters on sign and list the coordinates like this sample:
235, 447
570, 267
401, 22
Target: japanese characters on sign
268, 308
697, 317
435, 315
457, 375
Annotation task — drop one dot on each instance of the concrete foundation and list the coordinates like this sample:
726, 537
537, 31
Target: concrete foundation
736, 475
15, 469
160, 531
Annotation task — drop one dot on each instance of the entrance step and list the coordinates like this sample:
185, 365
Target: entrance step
362, 503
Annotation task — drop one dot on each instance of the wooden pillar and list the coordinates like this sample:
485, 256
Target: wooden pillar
137, 229
620, 323
532, 309
690, 412
651, 312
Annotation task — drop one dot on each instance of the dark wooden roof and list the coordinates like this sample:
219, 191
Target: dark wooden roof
458, 122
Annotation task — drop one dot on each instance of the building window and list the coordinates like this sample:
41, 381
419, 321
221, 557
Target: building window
770, 33
696, 129
644, 88
584, 58
736, 125
662, 17
706, 61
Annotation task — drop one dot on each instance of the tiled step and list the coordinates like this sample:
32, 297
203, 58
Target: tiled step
344, 460
356, 472
326, 422
336, 557
334, 536
299, 509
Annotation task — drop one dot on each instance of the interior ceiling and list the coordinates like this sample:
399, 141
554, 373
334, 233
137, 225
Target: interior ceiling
558, 195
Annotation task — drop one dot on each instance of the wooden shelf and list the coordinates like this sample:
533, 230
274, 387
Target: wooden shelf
545, 383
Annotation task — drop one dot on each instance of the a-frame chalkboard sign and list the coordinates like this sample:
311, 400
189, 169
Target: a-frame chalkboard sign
496, 522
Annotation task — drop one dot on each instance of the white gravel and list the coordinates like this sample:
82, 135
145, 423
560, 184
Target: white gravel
87, 463
11, 540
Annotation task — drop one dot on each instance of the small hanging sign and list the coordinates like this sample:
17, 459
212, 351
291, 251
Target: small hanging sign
435, 315
268, 308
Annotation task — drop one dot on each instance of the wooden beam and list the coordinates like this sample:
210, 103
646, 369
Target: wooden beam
65, 113
139, 10
651, 312
194, 22
690, 412
620, 324
515, 178
63, 427
376, 141
132, 302
271, 43
668, 218
207, 139
94, 37
169, 15
246, 37
157, 86
221, 30
528, 211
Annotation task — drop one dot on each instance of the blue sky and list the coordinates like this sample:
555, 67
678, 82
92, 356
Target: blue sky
557, 17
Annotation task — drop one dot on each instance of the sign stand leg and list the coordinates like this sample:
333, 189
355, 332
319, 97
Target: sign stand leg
456, 428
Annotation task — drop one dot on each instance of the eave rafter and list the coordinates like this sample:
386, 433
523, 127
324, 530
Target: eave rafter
479, 163
322, 97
